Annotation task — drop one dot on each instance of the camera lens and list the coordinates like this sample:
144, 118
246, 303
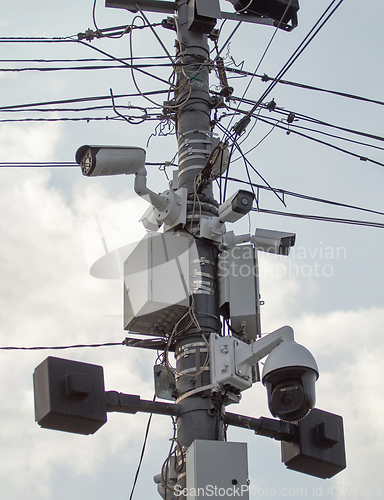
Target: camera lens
288, 401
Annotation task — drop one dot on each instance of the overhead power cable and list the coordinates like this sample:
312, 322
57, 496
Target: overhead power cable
81, 68
300, 116
319, 141
78, 99
240, 126
18, 164
41, 39
58, 164
267, 78
59, 347
296, 126
263, 55
133, 120
321, 218
285, 193
326, 124
123, 62
83, 59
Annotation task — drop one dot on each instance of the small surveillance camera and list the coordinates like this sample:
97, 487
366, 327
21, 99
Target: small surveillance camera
236, 206
231, 210
289, 374
110, 160
278, 242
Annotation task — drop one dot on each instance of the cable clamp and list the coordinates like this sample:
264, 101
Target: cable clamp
197, 391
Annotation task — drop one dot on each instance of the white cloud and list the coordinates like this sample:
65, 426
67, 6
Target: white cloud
48, 298
29, 142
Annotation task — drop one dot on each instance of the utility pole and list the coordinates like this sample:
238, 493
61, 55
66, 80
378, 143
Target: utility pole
197, 419
212, 367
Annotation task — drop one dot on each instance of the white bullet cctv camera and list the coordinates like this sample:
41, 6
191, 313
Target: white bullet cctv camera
110, 160
231, 210
278, 242
236, 206
289, 374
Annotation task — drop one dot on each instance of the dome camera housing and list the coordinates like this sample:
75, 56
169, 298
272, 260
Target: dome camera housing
289, 374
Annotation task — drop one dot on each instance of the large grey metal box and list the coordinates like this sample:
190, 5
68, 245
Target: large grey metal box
157, 285
69, 396
217, 469
239, 291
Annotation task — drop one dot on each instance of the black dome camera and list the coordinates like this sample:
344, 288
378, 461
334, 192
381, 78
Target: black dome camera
289, 374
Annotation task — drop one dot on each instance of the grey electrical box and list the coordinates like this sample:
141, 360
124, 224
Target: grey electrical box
157, 285
69, 396
202, 15
217, 469
319, 450
239, 291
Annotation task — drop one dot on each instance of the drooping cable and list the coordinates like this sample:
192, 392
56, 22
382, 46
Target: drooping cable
142, 453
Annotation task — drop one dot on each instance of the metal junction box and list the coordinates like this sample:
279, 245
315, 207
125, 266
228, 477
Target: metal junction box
223, 363
217, 469
69, 396
157, 285
239, 291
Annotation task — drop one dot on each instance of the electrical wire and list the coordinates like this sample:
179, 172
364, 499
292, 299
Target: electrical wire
240, 126
285, 193
78, 99
60, 347
322, 218
83, 59
326, 124
307, 87
84, 119
81, 68
264, 53
122, 61
304, 44
142, 453
38, 164
271, 120
328, 144
31, 39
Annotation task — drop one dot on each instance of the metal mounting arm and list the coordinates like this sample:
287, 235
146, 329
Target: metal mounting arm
248, 355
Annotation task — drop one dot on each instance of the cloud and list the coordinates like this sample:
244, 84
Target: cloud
28, 142
47, 297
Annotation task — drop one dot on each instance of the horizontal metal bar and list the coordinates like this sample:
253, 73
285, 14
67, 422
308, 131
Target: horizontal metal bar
148, 5
268, 427
129, 403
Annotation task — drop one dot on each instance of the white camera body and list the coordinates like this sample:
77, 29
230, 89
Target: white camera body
233, 209
277, 242
110, 160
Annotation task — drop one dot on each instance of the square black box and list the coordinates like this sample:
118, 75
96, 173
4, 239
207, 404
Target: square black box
319, 450
69, 396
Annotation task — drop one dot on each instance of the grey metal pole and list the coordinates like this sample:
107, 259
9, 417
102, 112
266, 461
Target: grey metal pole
197, 418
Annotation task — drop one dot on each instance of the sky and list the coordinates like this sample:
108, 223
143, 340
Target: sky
329, 289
